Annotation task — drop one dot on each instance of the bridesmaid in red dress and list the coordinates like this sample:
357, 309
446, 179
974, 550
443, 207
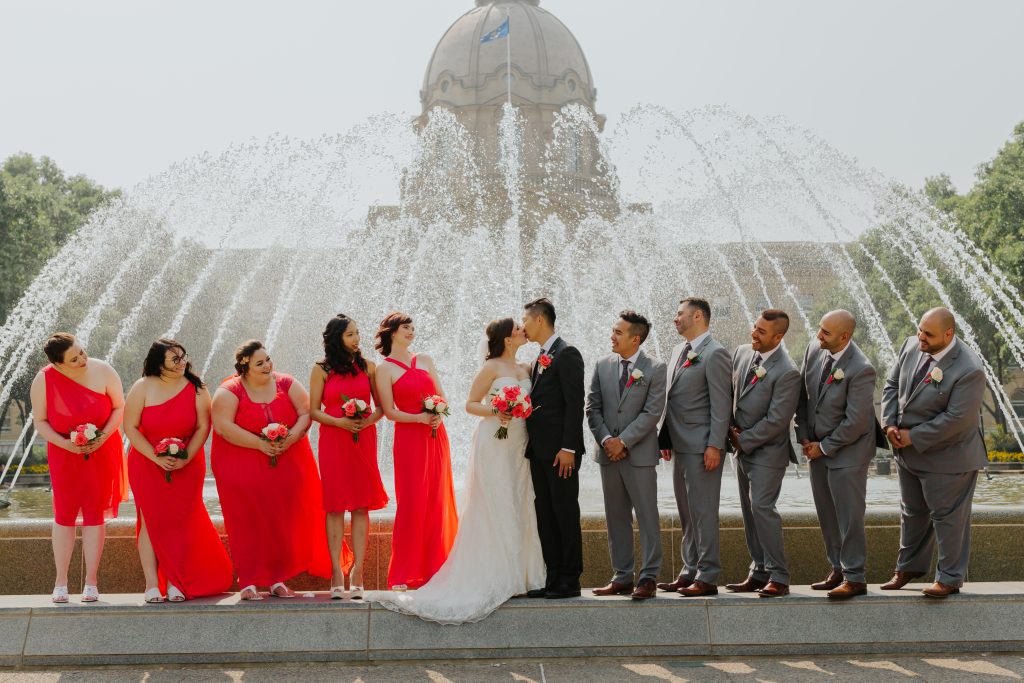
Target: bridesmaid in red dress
347, 446
89, 482
269, 492
426, 519
180, 550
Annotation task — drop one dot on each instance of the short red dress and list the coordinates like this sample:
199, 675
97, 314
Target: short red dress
348, 468
426, 519
86, 492
188, 548
273, 514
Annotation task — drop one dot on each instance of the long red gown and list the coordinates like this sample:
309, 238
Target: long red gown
188, 548
426, 519
348, 468
86, 492
273, 515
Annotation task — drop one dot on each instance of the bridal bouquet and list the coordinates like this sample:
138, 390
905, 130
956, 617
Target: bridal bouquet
173, 447
358, 409
84, 434
436, 405
512, 402
274, 433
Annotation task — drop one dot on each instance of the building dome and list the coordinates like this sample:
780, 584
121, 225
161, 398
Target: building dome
548, 64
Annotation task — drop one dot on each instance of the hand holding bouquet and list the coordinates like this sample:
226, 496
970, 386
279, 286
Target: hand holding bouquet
436, 405
172, 447
274, 433
357, 409
510, 402
85, 434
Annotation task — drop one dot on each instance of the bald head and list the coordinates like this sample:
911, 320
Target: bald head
936, 330
835, 330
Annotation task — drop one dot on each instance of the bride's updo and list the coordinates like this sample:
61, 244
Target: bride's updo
497, 332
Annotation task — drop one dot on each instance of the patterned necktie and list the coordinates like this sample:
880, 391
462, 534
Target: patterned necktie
682, 359
922, 372
624, 377
754, 363
827, 370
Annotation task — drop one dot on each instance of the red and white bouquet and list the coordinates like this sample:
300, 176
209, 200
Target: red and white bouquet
173, 447
85, 434
358, 409
511, 402
274, 433
436, 405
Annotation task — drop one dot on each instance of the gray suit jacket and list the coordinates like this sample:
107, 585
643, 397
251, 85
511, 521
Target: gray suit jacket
699, 406
764, 410
943, 417
632, 416
840, 414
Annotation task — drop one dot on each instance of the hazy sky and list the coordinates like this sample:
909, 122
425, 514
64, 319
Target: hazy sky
119, 90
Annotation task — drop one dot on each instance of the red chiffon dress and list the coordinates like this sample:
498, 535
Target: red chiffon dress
86, 491
348, 468
273, 514
188, 549
425, 519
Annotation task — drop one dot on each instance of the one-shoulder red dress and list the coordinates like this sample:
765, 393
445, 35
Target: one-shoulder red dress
426, 519
86, 491
189, 552
348, 467
273, 514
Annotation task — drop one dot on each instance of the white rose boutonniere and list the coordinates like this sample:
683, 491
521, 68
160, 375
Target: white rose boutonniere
935, 376
759, 373
635, 377
837, 376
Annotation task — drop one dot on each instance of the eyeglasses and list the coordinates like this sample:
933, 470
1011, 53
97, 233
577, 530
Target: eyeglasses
175, 360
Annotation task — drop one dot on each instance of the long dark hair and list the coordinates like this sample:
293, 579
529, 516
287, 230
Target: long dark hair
336, 356
497, 332
387, 329
154, 362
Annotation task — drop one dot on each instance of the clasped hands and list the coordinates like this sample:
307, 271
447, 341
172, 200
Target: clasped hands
899, 438
812, 449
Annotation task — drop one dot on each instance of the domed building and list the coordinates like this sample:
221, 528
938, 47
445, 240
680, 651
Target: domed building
541, 68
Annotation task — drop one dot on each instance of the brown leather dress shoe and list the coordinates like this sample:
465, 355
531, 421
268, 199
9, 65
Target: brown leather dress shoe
748, 585
645, 590
698, 589
615, 589
847, 590
940, 590
899, 580
834, 578
774, 589
680, 582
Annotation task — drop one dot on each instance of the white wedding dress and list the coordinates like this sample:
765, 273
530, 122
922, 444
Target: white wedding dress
496, 553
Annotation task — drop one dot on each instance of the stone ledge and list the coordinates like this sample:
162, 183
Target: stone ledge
122, 629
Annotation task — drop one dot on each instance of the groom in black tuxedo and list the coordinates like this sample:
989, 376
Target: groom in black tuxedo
555, 450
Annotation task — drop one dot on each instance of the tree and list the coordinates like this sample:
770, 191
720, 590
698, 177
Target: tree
40, 209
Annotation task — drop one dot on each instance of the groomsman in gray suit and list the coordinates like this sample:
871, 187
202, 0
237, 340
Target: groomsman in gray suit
694, 433
766, 389
624, 404
835, 424
930, 408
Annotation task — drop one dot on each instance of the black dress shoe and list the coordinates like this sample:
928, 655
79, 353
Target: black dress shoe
537, 593
563, 591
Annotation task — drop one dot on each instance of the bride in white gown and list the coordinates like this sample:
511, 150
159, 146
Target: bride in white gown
497, 552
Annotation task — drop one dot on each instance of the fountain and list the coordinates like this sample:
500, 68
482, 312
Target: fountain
270, 238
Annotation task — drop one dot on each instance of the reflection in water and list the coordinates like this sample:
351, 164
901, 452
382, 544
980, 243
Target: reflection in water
883, 491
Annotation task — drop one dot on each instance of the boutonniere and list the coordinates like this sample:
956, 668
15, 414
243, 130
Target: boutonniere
543, 363
837, 376
635, 377
691, 359
935, 376
759, 372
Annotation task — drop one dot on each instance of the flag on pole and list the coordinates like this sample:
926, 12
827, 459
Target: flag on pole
496, 34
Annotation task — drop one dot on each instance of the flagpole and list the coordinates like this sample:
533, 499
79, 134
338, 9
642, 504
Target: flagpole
508, 55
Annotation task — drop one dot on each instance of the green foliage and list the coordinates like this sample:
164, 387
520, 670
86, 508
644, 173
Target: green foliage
40, 209
999, 440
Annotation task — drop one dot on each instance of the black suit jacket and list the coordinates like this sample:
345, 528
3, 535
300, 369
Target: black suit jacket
558, 397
